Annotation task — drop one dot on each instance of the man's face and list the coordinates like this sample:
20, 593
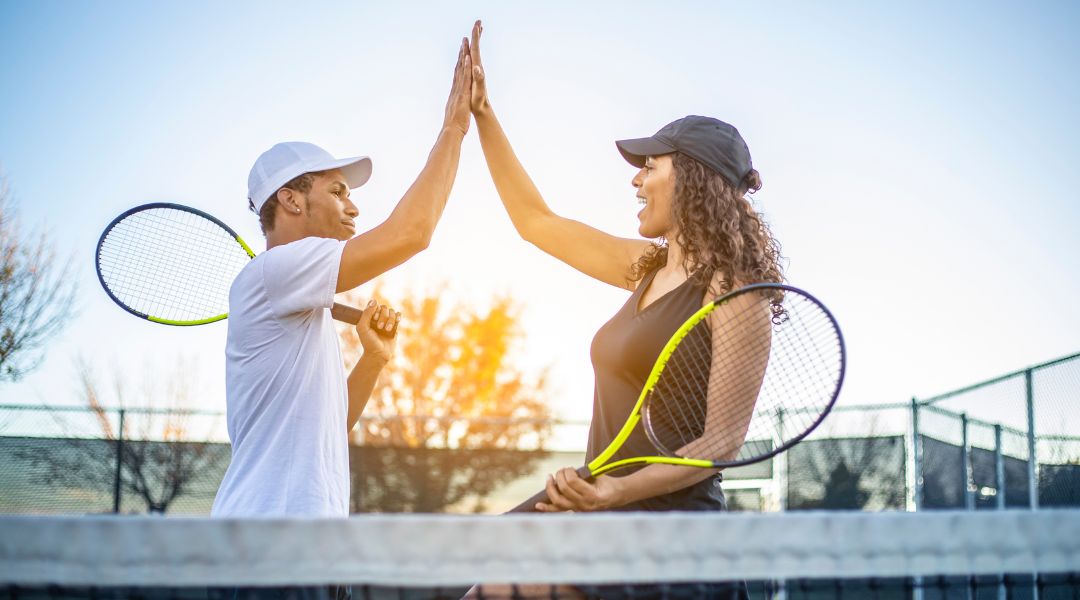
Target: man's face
330, 212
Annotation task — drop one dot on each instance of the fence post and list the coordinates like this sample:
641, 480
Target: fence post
999, 468
780, 470
999, 499
916, 451
969, 485
917, 593
119, 463
965, 457
1033, 463
1033, 481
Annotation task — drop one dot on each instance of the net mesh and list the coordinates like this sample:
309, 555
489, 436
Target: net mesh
170, 264
1016, 554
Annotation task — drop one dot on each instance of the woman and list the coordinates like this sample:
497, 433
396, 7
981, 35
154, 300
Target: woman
692, 178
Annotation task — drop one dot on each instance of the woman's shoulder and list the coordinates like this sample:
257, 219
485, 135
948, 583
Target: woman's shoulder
716, 286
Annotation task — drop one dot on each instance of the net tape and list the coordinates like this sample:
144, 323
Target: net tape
432, 550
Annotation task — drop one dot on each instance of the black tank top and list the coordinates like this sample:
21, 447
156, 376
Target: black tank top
623, 353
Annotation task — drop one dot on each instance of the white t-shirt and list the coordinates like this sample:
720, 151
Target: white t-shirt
285, 387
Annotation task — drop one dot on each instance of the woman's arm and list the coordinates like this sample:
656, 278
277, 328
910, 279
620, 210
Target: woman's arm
568, 491
589, 250
730, 409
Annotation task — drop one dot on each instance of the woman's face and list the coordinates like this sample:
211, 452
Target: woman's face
655, 184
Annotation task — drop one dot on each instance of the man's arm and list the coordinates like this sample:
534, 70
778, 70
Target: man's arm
362, 381
409, 227
377, 353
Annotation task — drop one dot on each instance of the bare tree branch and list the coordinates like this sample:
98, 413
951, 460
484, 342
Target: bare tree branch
37, 292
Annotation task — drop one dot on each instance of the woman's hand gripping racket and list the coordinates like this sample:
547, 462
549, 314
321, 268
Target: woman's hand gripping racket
174, 264
746, 377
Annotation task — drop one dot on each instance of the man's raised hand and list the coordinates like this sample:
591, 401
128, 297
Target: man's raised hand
457, 106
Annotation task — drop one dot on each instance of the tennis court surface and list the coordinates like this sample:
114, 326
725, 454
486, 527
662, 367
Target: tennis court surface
1006, 554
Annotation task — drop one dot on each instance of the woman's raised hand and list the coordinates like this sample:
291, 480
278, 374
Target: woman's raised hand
480, 101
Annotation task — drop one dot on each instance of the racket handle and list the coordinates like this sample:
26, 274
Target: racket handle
350, 315
530, 504
345, 314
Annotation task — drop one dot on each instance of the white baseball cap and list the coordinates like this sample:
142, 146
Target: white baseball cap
285, 161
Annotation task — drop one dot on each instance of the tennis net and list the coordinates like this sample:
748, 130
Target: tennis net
1012, 554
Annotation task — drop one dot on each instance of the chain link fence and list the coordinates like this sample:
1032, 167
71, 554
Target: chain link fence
83, 460
1010, 442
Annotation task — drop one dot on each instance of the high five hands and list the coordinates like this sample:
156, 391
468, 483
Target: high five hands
468, 91
479, 102
457, 106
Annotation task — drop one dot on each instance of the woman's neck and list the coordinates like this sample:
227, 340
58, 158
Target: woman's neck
675, 256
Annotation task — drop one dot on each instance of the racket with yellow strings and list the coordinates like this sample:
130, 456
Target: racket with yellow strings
173, 264
745, 378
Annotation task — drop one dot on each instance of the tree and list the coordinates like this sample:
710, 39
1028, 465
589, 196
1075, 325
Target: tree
452, 417
37, 292
146, 453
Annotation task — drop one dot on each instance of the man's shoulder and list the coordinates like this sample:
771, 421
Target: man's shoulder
306, 244
302, 252
249, 274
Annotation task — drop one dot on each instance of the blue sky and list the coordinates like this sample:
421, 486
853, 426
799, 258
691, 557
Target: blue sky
917, 158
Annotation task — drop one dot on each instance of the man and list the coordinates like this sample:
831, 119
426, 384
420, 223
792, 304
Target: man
290, 406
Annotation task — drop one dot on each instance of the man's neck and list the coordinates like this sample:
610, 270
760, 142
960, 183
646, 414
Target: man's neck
282, 236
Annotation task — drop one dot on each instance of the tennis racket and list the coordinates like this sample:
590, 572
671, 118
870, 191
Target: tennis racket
745, 378
174, 264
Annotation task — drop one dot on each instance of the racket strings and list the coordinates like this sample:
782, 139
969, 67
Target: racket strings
802, 374
810, 365
763, 385
689, 382
144, 258
173, 271
682, 409
170, 264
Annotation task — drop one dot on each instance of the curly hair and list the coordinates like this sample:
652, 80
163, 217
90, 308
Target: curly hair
718, 229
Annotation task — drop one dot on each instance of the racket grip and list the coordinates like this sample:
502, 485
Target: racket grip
345, 314
530, 504
350, 315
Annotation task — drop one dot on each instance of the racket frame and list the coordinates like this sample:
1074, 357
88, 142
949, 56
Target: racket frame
684, 329
170, 206
599, 465
340, 312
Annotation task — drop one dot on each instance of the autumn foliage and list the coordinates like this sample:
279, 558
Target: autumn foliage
453, 417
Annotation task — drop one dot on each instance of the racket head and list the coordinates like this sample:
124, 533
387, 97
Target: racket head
746, 378
170, 263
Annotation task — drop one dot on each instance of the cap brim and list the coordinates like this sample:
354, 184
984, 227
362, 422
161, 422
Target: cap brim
635, 151
357, 169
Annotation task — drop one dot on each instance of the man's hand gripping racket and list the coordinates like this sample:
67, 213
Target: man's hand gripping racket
174, 264
746, 377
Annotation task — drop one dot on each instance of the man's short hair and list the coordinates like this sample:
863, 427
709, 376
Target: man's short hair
300, 184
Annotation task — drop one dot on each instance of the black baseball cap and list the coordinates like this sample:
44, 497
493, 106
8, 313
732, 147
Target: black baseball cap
710, 141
